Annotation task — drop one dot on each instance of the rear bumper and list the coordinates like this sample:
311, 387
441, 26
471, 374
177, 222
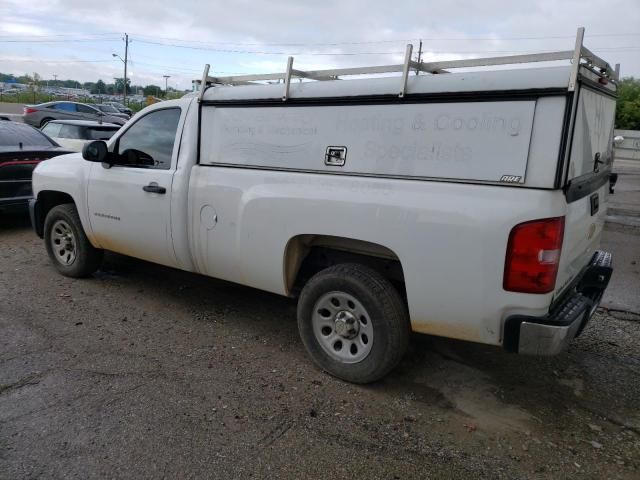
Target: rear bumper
552, 333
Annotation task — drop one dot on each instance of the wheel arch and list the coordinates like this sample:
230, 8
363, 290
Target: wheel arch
46, 200
307, 254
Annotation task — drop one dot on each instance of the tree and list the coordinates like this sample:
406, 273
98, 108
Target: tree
628, 108
24, 79
119, 85
151, 90
99, 87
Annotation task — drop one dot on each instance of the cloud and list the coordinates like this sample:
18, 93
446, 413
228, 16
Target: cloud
451, 29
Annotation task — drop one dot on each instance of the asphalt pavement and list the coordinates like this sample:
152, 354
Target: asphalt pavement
147, 372
620, 237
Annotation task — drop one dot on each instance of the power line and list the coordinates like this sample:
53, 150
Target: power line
263, 52
79, 40
78, 34
371, 42
450, 51
52, 61
86, 38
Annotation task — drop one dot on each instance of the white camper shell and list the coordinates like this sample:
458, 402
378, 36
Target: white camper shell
467, 205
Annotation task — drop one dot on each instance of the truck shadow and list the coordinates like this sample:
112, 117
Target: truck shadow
479, 385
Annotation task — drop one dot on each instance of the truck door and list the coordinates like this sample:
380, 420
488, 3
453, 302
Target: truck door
129, 203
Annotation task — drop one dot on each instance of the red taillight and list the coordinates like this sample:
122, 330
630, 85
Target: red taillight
29, 110
533, 254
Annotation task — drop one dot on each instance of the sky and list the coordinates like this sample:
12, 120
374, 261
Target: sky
75, 39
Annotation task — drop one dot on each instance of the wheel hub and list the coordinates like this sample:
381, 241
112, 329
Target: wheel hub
63, 243
342, 327
345, 324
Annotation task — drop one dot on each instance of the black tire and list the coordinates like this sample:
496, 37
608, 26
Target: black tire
388, 316
45, 121
85, 259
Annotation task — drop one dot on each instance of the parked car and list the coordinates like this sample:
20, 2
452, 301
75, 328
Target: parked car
73, 134
22, 147
121, 108
111, 110
467, 205
39, 115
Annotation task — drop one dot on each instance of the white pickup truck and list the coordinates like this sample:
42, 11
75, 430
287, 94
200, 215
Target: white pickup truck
466, 205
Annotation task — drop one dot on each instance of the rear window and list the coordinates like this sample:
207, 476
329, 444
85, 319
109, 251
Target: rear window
101, 133
593, 132
52, 129
12, 133
71, 131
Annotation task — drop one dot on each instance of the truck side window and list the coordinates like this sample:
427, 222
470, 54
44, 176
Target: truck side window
148, 143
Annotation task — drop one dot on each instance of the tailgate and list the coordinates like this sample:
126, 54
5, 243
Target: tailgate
587, 184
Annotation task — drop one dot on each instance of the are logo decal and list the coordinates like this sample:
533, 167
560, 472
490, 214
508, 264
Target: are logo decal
511, 178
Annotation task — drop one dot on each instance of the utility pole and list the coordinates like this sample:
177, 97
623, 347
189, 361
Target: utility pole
419, 57
126, 53
166, 77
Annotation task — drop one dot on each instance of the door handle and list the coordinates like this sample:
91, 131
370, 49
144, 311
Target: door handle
153, 187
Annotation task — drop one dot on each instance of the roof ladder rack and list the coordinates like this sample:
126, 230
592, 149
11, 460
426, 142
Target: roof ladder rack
580, 56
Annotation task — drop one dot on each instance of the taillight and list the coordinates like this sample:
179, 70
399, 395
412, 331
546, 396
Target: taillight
29, 110
533, 254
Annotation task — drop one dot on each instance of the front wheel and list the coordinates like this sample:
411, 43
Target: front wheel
67, 245
353, 322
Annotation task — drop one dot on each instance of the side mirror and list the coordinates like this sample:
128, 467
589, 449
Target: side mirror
618, 139
95, 151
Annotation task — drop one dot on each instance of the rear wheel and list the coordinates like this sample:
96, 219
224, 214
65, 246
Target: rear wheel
67, 245
45, 121
353, 322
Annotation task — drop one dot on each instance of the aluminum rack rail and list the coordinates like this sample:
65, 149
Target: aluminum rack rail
580, 56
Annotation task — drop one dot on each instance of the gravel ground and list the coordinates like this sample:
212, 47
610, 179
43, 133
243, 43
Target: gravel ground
147, 372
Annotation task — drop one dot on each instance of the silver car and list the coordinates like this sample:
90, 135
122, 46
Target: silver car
111, 110
39, 115
73, 134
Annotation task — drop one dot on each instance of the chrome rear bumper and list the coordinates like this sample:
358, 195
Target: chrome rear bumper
552, 333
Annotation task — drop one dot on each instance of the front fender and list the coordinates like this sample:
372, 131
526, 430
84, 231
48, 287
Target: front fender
65, 174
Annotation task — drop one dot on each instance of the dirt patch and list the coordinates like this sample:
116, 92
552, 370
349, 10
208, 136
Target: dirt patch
148, 372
